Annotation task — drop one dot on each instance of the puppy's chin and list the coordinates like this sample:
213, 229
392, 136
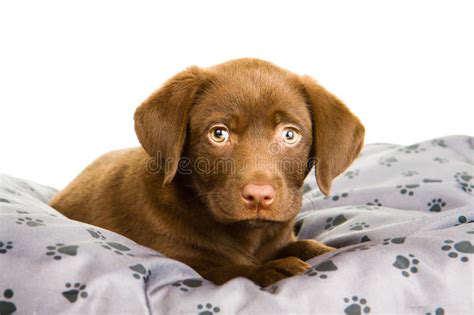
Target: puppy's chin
253, 219
255, 223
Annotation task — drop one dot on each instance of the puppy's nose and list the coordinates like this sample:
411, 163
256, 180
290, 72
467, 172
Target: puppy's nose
261, 195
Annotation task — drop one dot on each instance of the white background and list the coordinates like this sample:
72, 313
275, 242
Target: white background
72, 72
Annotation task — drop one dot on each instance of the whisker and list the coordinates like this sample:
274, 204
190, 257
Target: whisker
211, 193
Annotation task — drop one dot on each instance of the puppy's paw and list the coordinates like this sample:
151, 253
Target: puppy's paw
305, 249
277, 270
308, 249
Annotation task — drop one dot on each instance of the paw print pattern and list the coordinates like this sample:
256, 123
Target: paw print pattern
351, 174
5, 247
333, 222
470, 143
395, 240
468, 161
75, 292
30, 221
208, 309
358, 226
117, 248
439, 143
414, 148
337, 197
140, 272
357, 306
438, 311
431, 180
321, 269
12, 191
61, 249
388, 162
407, 189
462, 220
272, 289
363, 246
463, 247
464, 181
440, 160
410, 173
28, 187
306, 188
187, 284
436, 205
96, 234
376, 202
7, 307
402, 263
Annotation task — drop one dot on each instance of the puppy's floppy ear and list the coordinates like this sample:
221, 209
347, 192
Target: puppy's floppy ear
161, 120
338, 135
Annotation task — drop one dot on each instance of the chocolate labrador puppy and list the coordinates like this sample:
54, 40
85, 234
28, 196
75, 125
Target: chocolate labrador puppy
218, 180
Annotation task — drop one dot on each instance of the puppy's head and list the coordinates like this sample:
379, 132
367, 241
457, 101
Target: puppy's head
245, 134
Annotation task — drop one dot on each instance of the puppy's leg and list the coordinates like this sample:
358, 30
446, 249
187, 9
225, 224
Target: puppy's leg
304, 250
263, 275
220, 275
277, 270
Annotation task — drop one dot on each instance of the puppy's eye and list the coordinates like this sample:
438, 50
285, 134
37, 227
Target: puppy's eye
290, 135
219, 134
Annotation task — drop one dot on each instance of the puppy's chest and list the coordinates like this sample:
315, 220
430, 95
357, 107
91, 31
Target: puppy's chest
254, 244
260, 243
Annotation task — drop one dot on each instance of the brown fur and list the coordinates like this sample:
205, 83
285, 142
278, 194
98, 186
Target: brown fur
162, 196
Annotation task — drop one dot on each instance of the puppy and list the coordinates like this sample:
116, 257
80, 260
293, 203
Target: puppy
218, 180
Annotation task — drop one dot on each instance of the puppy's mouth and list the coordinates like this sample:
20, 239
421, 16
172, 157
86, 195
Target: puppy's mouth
255, 223
260, 217
227, 212
257, 218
